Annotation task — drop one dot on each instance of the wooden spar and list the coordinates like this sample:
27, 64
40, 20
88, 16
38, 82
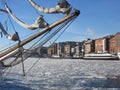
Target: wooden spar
22, 43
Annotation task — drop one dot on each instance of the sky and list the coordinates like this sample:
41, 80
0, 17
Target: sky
98, 18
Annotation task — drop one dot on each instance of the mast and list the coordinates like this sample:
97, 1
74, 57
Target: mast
49, 28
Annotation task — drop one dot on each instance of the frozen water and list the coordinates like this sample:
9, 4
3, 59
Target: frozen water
63, 74
1, 71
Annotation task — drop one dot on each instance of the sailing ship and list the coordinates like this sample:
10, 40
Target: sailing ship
16, 54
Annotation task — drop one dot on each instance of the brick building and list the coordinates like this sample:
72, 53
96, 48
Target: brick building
102, 45
110, 44
115, 43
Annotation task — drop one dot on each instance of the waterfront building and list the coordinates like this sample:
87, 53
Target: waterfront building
115, 43
69, 48
102, 45
89, 46
52, 49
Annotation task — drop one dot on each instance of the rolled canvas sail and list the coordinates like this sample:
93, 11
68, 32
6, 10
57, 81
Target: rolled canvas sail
62, 7
13, 37
39, 23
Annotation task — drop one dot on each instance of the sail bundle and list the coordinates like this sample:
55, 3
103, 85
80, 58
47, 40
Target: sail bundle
39, 23
13, 37
62, 7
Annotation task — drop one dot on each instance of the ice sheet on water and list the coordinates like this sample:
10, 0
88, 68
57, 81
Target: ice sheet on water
61, 74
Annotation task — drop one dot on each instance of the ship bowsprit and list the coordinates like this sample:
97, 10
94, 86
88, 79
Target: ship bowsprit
14, 55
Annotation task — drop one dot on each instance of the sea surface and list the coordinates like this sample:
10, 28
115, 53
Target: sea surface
63, 74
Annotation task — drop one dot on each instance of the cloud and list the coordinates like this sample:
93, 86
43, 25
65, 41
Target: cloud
91, 32
77, 32
86, 33
83, 34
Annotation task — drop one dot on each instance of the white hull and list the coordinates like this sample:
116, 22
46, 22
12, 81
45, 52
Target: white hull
104, 56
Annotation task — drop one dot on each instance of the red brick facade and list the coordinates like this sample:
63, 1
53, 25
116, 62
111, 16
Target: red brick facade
110, 44
115, 43
101, 45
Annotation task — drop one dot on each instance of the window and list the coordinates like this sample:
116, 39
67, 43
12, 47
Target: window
118, 41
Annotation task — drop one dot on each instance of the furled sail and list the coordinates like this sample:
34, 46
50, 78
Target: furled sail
62, 7
13, 37
39, 23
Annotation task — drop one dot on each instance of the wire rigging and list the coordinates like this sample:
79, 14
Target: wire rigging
63, 25
62, 32
12, 23
21, 56
36, 10
3, 1
27, 54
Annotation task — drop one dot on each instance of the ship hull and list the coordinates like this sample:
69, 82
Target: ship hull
101, 57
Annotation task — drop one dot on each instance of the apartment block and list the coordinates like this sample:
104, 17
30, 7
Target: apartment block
110, 44
52, 49
115, 43
69, 48
102, 45
89, 46
60, 49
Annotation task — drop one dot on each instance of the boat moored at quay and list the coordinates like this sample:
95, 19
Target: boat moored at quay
101, 56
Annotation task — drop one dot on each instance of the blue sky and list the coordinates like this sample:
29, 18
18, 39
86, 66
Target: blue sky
98, 18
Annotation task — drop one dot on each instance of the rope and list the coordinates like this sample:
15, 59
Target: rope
36, 10
39, 39
26, 56
50, 36
6, 24
53, 34
12, 23
7, 72
41, 43
54, 41
21, 58
3, 1
45, 42
63, 30
32, 66
15, 60
9, 66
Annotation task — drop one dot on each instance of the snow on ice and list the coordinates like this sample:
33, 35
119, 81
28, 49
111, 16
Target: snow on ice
63, 74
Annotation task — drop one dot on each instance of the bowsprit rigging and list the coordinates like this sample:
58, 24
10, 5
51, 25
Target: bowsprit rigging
17, 54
